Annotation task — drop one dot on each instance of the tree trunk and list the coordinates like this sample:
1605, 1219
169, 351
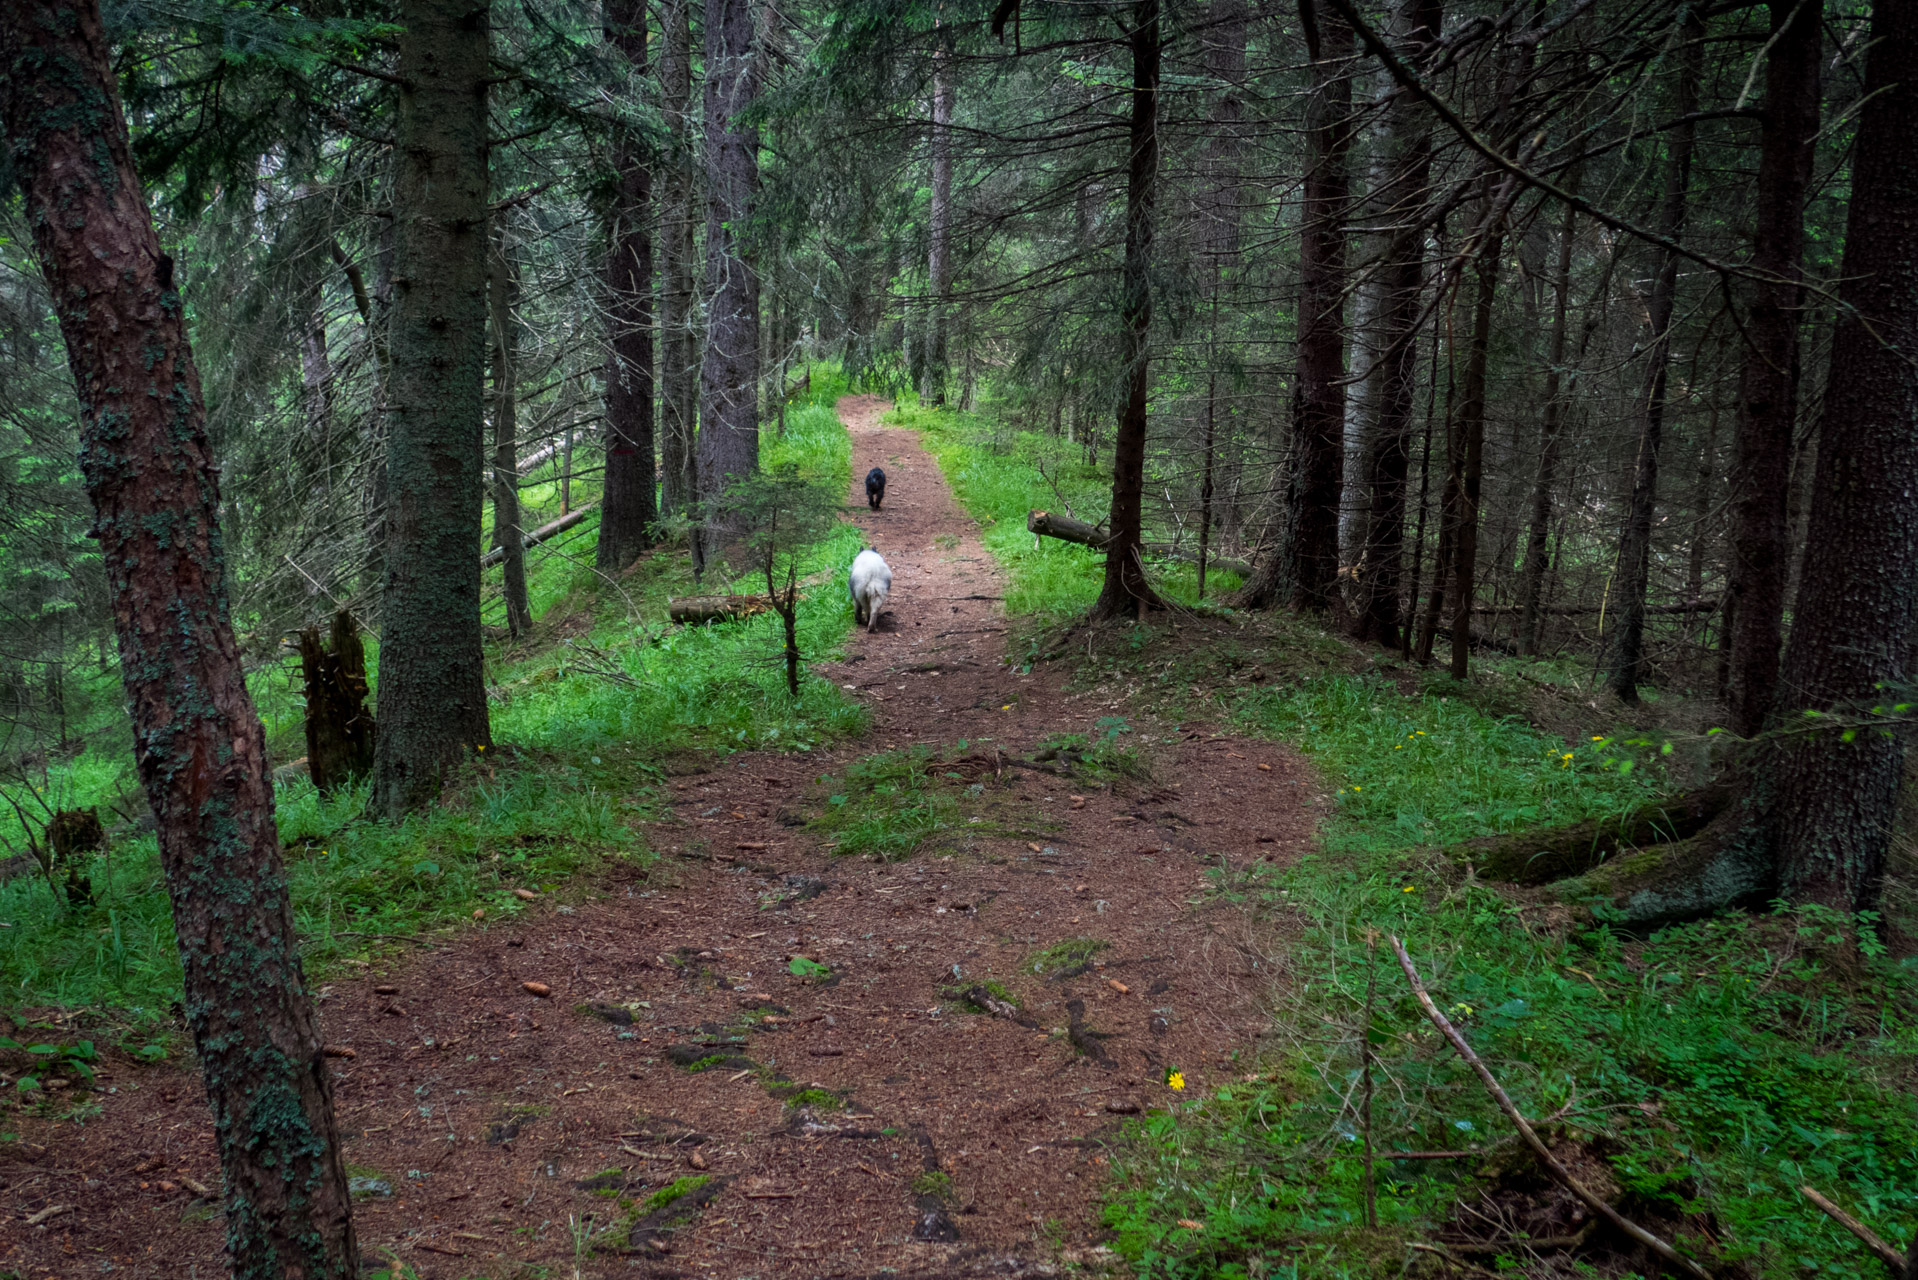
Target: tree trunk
1318, 404
503, 296
339, 731
629, 506
1471, 419
1531, 585
1625, 655
939, 256
198, 744
432, 689
1768, 384
729, 374
679, 340
1851, 640
1126, 590
1377, 613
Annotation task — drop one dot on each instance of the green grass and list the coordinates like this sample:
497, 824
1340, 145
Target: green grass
1715, 1066
996, 473
1064, 954
584, 726
887, 805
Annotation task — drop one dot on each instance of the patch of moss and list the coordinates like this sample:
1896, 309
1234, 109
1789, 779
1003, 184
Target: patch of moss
816, 1098
936, 1183
673, 1191
1064, 954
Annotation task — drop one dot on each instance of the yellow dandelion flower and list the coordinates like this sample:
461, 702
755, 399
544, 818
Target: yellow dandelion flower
1007, 707
1410, 888
1596, 738
1419, 733
1175, 1079
1356, 787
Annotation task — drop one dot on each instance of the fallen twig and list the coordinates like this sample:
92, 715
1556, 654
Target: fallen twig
1544, 1153
1873, 1241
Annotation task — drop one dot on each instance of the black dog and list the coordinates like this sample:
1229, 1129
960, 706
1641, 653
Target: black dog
875, 488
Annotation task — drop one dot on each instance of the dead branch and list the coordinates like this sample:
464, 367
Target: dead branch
1873, 1241
1544, 1153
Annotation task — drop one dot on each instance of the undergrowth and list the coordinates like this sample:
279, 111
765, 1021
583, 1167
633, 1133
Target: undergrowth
887, 805
589, 712
1715, 1066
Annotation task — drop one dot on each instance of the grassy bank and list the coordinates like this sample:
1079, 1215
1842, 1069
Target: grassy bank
588, 713
1705, 1071
999, 474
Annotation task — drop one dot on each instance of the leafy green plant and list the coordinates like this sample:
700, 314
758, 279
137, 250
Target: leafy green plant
801, 967
75, 1059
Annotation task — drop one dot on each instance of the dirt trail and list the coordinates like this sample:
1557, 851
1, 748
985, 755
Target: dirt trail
966, 1144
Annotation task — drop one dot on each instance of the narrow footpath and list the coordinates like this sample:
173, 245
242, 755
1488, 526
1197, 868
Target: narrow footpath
642, 1085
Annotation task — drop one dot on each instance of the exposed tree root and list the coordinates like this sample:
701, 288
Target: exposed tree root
1543, 856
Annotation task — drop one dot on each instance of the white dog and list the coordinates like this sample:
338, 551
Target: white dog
871, 583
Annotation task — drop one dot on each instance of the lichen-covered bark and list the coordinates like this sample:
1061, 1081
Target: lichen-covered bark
631, 505
198, 745
1125, 588
1768, 382
729, 372
1851, 641
432, 693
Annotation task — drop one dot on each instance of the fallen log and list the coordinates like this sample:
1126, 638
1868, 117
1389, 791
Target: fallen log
702, 609
1541, 856
550, 529
1045, 524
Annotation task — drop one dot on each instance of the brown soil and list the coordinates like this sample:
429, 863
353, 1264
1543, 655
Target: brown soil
492, 1113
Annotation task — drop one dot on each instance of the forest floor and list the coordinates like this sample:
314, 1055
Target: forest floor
756, 1057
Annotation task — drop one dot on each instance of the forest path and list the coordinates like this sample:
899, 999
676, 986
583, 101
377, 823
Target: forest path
942, 1142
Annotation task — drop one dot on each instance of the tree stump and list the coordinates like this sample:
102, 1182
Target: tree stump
339, 728
71, 835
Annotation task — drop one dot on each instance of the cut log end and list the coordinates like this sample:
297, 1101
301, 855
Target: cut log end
702, 609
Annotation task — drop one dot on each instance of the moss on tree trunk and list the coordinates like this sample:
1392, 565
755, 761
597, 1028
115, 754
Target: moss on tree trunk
198, 744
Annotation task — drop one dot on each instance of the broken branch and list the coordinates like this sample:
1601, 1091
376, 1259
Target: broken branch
1543, 1152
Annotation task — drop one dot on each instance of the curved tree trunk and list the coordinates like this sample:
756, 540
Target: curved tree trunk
1126, 590
729, 374
1768, 384
198, 744
1626, 653
1857, 609
630, 506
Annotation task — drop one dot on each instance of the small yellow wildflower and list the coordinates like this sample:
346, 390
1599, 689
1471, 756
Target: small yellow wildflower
1419, 732
479, 746
1565, 761
1399, 747
1007, 707
1175, 1079
1464, 1009
1357, 787
1410, 888
1596, 738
